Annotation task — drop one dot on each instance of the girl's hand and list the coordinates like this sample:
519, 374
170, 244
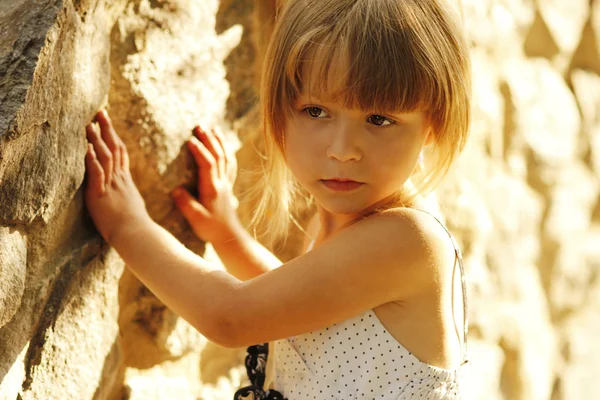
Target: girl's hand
213, 216
111, 196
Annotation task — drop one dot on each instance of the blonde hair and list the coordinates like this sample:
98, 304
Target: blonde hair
406, 55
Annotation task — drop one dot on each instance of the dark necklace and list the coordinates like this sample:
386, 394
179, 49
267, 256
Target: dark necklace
256, 364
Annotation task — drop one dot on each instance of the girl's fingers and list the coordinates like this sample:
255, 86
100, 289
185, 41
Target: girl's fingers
109, 136
123, 154
101, 152
211, 143
230, 158
207, 168
124, 157
226, 156
94, 171
189, 207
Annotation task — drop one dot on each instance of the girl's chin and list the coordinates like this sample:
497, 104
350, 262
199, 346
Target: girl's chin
353, 206
342, 206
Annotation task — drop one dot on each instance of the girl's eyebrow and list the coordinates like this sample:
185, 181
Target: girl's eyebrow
310, 100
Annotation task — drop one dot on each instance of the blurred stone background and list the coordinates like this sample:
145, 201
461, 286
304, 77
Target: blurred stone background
523, 200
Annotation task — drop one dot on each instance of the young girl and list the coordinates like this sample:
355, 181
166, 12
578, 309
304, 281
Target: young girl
353, 92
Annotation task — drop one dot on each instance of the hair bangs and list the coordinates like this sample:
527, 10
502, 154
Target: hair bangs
309, 67
363, 67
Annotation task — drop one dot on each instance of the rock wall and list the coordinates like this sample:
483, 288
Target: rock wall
523, 200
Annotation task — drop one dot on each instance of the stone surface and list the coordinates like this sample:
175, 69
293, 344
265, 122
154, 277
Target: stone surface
78, 332
13, 258
587, 89
23, 29
593, 38
487, 126
14, 377
53, 254
576, 378
566, 273
39, 168
178, 379
42, 145
487, 360
506, 19
565, 21
546, 118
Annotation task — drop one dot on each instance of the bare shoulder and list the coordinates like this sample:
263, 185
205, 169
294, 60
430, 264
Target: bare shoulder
417, 221
409, 220
427, 234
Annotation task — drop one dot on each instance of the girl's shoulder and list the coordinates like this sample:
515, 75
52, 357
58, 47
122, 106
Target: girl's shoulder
428, 228
420, 221
405, 233
408, 245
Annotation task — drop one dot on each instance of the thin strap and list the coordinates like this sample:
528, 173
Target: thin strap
310, 245
463, 281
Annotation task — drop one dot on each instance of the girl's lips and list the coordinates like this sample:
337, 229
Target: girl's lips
341, 185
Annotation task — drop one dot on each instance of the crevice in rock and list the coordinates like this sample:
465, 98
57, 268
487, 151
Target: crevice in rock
78, 258
510, 384
586, 55
509, 124
539, 41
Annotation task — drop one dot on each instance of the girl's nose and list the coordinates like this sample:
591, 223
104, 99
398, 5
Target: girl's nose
343, 144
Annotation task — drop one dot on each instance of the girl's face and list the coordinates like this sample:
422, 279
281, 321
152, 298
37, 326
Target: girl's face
325, 141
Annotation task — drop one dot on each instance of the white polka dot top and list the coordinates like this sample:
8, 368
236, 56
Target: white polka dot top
359, 359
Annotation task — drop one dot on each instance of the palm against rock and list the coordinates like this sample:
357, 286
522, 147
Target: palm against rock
111, 196
213, 215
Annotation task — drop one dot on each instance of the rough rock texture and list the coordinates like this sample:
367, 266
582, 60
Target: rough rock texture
13, 253
523, 200
59, 281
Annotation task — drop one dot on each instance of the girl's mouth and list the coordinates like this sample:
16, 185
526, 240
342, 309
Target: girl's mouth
341, 185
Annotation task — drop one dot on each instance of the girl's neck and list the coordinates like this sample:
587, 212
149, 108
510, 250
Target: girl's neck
329, 224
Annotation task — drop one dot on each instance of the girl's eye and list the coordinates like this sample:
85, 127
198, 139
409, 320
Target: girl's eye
379, 120
314, 112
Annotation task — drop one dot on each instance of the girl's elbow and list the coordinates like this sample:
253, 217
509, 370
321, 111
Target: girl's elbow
224, 333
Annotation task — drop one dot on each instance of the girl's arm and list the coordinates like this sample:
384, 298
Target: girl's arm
244, 256
188, 284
